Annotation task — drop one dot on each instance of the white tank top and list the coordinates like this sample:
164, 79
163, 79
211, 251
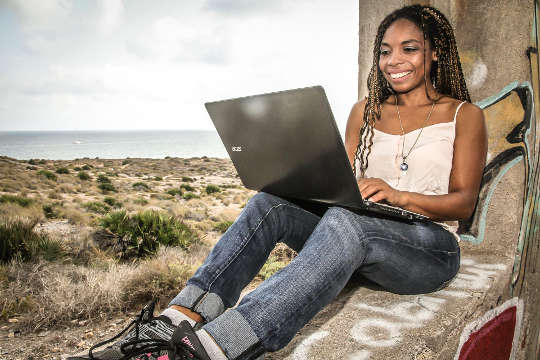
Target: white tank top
430, 161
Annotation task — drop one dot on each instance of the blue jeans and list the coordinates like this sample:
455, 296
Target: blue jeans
402, 257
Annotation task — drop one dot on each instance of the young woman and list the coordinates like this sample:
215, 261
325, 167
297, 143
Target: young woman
415, 142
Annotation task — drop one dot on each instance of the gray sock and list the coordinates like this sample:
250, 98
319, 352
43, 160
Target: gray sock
212, 348
177, 316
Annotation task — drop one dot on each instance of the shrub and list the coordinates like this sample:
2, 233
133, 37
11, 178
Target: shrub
87, 167
141, 234
125, 162
31, 168
76, 168
19, 241
33, 161
50, 211
210, 189
174, 192
140, 201
83, 175
103, 179
189, 196
19, 200
112, 202
271, 266
105, 187
140, 186
62, 170
187, 187
187, 179
48, 174
96, 206
158, 178
223, 226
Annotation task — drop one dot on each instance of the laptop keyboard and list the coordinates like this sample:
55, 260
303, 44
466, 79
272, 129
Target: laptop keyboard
389, 209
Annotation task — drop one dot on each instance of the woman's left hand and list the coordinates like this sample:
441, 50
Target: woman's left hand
374, 189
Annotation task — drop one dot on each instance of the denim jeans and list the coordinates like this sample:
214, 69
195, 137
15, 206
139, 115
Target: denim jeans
402, 257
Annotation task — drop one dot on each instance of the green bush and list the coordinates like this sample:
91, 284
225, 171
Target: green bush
19, 241
125, 162
96, 206
210, 189
105, 187
31, 168
223, 226
189, 196
83, 175
33, 161
271, 266
187, 187
103, 179
62, 170
140, 201
158, 178
19, 200
174, 192
76, 168
112, 202
141, 186
87, 167
48, 174
51, 211
187, 179
141, 234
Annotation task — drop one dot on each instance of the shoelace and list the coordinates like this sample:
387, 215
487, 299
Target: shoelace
176, 350
144, 317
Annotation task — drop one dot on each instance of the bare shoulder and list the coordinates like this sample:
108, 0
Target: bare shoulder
470, 119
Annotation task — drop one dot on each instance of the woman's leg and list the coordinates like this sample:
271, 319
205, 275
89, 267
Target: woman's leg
242, 251
404, 257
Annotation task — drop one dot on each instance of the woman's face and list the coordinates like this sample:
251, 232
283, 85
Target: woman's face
402, 56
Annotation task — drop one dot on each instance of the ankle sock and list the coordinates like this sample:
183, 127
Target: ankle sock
212, 348
177, 316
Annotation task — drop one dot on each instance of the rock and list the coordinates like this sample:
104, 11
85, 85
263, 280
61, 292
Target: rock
83, 322
13, 320
11, 334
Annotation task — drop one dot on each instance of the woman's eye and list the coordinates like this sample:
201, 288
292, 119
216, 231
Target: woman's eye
385, 52
408, 49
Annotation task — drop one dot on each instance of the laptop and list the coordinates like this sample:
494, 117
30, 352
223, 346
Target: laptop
287, 144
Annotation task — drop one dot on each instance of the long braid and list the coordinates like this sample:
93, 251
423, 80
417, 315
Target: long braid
446, 74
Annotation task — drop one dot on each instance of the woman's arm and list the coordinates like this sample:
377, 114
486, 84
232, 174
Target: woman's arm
354, 123
470, 149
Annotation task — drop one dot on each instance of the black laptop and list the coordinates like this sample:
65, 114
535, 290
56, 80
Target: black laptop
287, 144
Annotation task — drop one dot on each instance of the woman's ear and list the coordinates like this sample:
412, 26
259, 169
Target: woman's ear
434, 56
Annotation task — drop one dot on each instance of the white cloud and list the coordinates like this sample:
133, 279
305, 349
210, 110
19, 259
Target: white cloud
111, 17
42, 14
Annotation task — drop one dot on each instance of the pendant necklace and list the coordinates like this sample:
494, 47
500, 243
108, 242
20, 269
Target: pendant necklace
404, 166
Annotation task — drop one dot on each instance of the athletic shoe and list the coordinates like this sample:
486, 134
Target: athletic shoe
147, 337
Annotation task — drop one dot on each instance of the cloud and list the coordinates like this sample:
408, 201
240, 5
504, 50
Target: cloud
175, 40
241, 7
41, 15
112, 12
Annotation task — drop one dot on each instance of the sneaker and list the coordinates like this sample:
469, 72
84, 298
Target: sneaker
148, 337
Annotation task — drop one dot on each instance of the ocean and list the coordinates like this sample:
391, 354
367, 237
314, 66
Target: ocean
69, 145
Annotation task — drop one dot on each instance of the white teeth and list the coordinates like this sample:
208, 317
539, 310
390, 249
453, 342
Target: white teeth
400, 75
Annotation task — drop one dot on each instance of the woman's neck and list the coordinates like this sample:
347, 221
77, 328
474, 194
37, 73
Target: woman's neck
417, 97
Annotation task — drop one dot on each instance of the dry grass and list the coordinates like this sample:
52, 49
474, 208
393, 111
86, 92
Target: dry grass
51, 294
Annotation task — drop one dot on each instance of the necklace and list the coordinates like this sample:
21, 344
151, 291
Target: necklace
404, 166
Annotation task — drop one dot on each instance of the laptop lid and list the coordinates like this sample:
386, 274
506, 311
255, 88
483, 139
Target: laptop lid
287, 143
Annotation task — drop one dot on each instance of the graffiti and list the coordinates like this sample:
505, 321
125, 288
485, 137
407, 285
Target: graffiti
386, 329
302, 350
495, 335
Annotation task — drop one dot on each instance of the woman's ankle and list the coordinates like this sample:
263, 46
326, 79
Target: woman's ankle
189, 313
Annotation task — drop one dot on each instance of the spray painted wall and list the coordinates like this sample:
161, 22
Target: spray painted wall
498, 45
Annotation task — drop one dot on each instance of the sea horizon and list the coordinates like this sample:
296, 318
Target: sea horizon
110, 144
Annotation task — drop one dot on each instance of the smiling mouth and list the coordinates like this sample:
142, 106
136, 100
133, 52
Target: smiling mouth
400, 75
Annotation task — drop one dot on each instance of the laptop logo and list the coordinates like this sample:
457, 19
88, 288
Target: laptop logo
236, 148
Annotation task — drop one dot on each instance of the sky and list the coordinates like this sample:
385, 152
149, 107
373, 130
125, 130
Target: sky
138, 64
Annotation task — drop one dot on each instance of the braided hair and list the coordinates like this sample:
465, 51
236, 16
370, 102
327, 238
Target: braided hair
446, 73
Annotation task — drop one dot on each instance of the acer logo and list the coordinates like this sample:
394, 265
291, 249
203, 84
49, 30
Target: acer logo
236, 148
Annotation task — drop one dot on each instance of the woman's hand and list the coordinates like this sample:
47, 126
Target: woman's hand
376, 190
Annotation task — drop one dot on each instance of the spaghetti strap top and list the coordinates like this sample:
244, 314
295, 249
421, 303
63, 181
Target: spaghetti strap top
430, 161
